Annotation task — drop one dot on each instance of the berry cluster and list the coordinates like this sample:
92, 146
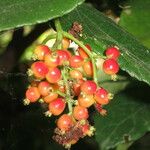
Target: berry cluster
66, 81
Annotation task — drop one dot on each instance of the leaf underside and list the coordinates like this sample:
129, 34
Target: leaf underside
101, 32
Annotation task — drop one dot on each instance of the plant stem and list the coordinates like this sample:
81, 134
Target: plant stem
68, 95
60, 93
58, 43
71, 37
53, 36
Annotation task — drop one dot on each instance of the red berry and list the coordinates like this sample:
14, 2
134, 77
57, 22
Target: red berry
75, 74
88, 87
76, 61
61, 88
64, 122
80, 113
82, 53
110, 66
86, 100
32, 94
57, 106
40, 51
101, 96
52, 60
88, 68
53, 75
39, 69
112, 52
44, 88
49, 98
77, 87
63, 56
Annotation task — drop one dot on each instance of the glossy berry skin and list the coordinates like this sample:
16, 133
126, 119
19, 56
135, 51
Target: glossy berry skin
88, 68
86, 100
39, 69
76, 61
52, 60
80, 113
53, 75
57, 106
64, 122
40, 51
77, 87
88, 87
112, 52
75, 74
32, 94
63, 55
50, 97
101, 96
61, 88
110, 66
82, 53
44, 88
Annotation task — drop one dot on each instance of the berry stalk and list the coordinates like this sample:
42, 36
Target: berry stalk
60, 93
67, 87
59, 37
69, 36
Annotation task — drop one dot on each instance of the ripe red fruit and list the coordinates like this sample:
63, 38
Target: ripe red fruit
110, 66
52, 60
82, 53
40, 51
76, 61
53, 75
32, 94
57, 106
112, 52
49, 98
64, 122
63, 56
44, 88
80, 113
86, 100
75, 74
61, 88
77, 87
39, 69
101, 96
88, 87
88, 68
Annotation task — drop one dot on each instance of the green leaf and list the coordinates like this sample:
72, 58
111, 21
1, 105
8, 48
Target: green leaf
16, 13
117, 86
127, 119
100, 32
135, 19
